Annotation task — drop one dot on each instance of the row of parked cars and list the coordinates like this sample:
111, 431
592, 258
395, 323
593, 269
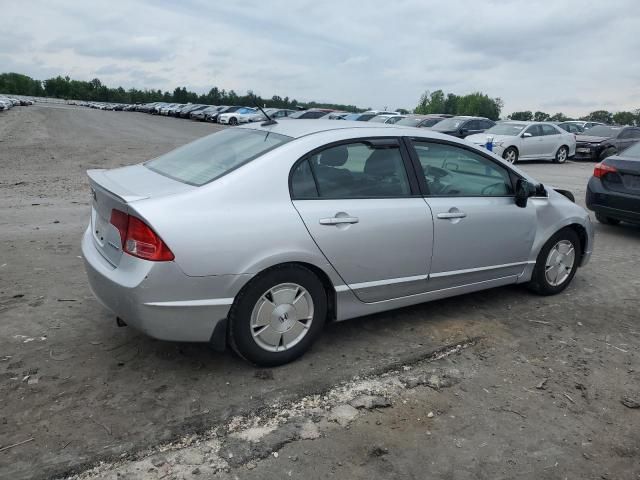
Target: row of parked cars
512, 139
9, 102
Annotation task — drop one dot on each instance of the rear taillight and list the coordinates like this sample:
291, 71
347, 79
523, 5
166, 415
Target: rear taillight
138, 239
602, 169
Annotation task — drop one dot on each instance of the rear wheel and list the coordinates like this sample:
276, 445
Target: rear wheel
561, 155
557, 263
607, 220
278, 315
510, 155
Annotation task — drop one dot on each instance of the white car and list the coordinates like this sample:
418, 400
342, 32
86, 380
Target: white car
516, 141
242, 115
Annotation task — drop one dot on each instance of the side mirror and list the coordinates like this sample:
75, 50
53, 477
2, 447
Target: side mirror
526, 135
524, 190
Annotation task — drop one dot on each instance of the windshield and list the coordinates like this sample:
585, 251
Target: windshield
379, 119
215, 155
352, 116
511, 129
449, 124
603, 131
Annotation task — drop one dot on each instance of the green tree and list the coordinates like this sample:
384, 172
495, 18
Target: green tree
558, 117
624, 118
600, 116
524, 116
541, 116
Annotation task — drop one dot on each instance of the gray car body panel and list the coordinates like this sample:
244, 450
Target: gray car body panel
224, 233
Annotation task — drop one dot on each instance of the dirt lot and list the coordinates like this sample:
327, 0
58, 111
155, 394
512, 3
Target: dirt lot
535, 389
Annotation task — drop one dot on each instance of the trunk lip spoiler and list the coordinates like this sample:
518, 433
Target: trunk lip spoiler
98, 178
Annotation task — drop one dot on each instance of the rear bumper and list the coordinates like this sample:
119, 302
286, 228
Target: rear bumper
620, 206
157, 298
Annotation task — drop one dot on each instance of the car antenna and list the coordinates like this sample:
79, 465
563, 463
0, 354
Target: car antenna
270, 121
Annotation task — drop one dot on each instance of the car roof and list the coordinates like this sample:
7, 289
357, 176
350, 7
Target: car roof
297, 128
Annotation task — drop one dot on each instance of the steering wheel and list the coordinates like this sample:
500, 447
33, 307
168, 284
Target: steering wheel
436, 172
489, 187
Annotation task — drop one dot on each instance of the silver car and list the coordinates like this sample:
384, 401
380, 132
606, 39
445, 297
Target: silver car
257, 236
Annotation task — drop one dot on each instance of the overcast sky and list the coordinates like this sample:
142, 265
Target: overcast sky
569, 56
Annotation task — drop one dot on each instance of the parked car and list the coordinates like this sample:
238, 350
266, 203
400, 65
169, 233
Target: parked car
585, 125
194, 107
201, 114
613, 192
312, 113
571, 127
213, 116
241, 115
602, 141
422, 121
277, 113
463, 126
514, 140
388, 119
362, 218
360, 117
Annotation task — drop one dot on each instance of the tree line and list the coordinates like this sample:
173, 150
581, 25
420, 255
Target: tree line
95, 91
477, 104
604, 116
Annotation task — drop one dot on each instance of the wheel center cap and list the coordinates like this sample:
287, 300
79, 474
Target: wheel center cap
283, 317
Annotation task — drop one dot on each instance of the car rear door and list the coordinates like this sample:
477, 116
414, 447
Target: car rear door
552, 139
362, 206
479, 234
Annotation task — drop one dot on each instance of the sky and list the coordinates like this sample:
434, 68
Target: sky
570, 56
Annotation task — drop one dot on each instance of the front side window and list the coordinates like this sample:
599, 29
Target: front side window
355, 170
215, 155
548, 130
452, 171
534, 130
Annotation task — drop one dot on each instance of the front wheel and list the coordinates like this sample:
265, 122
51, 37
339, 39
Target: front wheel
557, 263
278, 315
233, 121
561, 155
510, 155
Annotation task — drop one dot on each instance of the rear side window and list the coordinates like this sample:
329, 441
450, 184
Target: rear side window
354, 170
215, 155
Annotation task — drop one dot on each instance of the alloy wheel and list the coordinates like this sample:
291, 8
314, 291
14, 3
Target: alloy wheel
282, 317
559, 263
510, 155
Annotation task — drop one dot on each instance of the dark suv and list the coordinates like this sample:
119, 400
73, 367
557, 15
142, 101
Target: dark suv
463, 126
602, 141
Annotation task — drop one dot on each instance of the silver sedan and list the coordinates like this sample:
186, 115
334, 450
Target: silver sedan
257, 236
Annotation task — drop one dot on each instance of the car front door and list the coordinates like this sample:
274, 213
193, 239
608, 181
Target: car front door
480, 234
367, 216
531, 145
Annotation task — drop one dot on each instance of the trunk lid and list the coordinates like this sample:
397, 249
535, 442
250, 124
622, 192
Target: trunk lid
119, 189
626, 179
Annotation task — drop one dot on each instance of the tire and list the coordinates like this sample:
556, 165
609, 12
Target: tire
606, 220
233, 121
540, 280
266, 305
511, 155
607, 153
561, 155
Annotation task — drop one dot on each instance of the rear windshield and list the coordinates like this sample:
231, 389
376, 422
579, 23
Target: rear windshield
215, 155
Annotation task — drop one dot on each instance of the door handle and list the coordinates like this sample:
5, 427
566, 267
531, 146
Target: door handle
338, 220
450, 215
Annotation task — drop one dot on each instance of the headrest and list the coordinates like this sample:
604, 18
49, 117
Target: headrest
381, 163
334, 157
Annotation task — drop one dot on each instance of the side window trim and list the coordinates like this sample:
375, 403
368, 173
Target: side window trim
405, 153
424, 188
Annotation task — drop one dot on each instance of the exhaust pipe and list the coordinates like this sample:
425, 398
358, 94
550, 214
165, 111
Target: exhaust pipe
120, 322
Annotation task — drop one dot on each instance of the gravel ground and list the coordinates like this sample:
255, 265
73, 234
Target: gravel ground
536, 389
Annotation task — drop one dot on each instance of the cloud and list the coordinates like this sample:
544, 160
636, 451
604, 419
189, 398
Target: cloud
569, 56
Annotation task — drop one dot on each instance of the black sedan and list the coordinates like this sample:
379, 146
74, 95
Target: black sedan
613, 192
463, 126
602, 141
